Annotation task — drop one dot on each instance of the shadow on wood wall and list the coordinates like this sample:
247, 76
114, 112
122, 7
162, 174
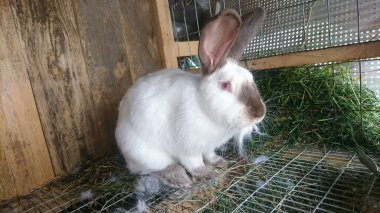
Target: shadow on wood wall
64, 66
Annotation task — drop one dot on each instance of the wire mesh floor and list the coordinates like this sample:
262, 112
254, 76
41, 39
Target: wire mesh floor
288, 181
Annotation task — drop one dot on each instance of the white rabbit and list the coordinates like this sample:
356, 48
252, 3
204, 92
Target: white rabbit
170, 122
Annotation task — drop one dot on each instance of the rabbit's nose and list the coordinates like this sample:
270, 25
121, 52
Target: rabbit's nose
257, 110
252, 101
260, 111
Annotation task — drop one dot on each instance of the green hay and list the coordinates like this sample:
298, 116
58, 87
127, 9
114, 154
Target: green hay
317, 106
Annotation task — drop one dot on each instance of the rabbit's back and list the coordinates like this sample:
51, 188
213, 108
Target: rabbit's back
154, 97
147, 114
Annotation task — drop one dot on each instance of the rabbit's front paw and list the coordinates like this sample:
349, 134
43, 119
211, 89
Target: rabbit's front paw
212, 159
174, 176
216, 162
203, 172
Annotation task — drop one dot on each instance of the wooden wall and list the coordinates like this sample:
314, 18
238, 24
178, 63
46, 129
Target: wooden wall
64, 66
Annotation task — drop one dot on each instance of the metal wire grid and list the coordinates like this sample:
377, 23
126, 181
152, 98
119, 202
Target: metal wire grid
304, 181
289, 181
366, 71
369, 72
298, 25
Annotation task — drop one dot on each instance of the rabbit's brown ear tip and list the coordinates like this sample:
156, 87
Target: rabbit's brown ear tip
259, 11
230, 11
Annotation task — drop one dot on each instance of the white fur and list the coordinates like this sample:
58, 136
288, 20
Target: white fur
86, 195
260, 159
244, 134
172, 116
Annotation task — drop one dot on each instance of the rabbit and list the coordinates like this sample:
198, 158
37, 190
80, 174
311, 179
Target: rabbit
171, 122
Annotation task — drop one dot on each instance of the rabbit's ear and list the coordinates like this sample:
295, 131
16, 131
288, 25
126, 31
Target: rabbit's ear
217, 39
252, 22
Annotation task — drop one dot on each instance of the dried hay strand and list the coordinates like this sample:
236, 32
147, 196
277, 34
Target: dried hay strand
96, 183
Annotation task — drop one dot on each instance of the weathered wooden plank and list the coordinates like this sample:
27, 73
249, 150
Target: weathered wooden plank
187, 48
57, 71
164, 33
7, 181
333, 54
106, 60
24, 157
139, 37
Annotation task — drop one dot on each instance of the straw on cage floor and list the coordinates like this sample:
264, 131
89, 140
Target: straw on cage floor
288, 181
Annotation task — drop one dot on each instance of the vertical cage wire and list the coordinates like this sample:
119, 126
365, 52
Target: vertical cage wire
360, 72
185, 22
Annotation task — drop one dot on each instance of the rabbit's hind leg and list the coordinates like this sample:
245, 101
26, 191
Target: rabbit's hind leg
174, 176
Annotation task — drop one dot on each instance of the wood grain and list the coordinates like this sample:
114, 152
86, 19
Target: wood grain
119, 47
187, 48
164, 33
55, 62
139, 37
106, 60
67, 64
24, 157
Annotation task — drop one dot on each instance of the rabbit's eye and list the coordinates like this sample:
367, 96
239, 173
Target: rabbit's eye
225, 85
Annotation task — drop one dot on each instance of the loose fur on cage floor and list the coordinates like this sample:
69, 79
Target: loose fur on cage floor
290, 181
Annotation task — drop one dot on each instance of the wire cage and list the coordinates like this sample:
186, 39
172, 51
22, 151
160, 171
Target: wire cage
285, 181
323, 33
